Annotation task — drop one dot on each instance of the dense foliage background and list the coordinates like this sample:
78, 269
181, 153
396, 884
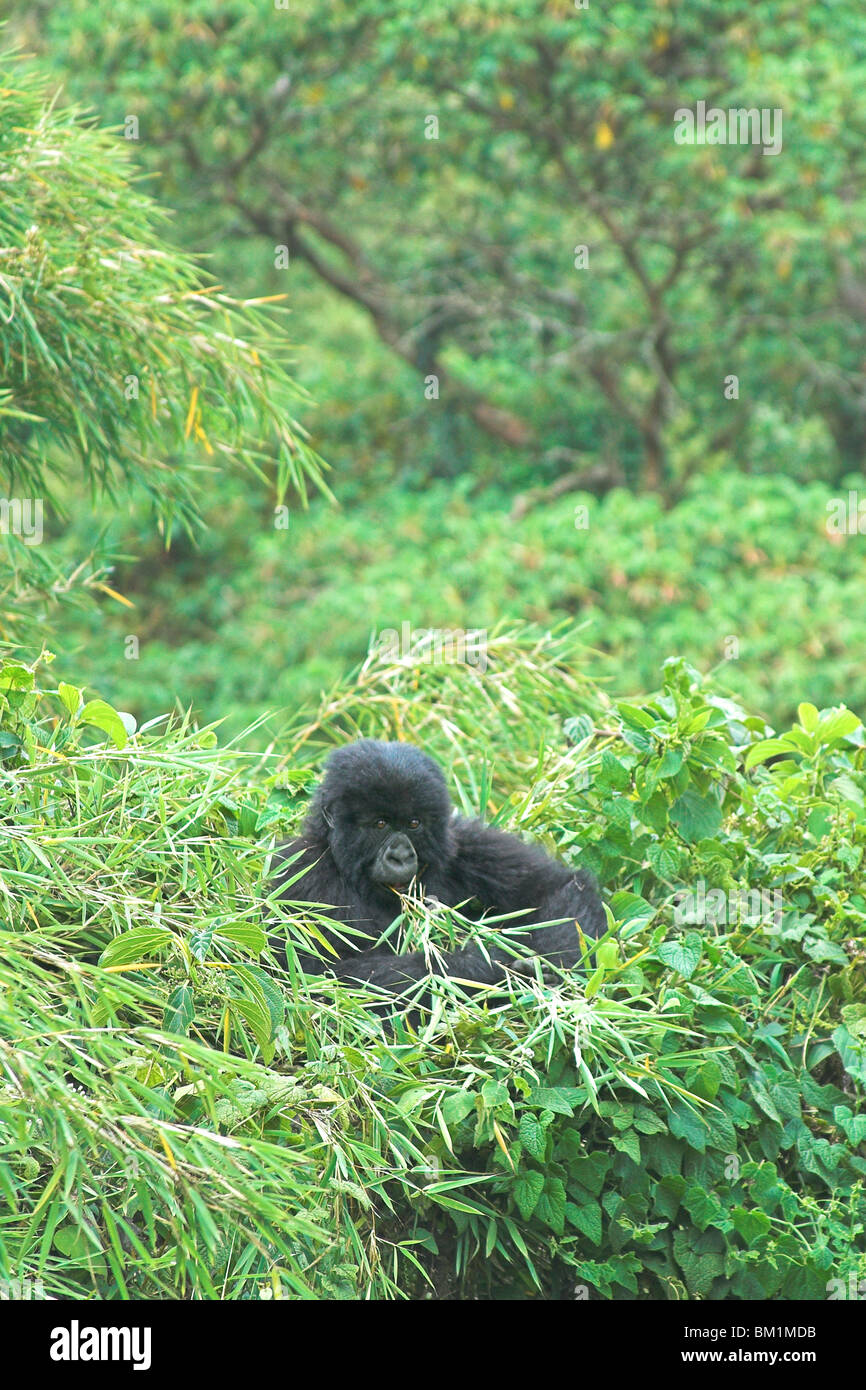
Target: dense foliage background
301, 134
596, 393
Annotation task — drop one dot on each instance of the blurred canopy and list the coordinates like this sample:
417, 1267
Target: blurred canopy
439, 166
505, 274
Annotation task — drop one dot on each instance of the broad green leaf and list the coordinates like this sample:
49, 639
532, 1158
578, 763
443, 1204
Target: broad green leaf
457, 1106
10, 744
683, 954
696, 817
764, 749
703, 1207
628, 1143
247, 934
685, 1124
16, 677
200, 942
837, 724
554, 1098
751, 1225
808, 717
665, 860
631, 910
71, 1241
852, 1053
550, 1208
607, 955
636, 717
495, 1093
180, 1010
256, 1016
587, 1218
138, 944
527, 1190
102, 716
532, 1136
71, 697
670, 763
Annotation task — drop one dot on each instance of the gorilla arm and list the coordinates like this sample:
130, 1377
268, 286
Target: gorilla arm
316, 875
506, 875
307, 874
503, 875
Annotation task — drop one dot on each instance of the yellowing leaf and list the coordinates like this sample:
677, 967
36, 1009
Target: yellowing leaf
502, 1144
202, 437
604, 136
263, 299
168, 1153
112, 593
190, 414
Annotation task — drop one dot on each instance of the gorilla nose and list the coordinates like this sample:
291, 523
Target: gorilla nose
400, 862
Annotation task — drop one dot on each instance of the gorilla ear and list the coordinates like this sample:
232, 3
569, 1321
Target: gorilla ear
329, 819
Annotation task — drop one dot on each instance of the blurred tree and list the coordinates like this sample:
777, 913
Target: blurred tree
115, 353
441, 167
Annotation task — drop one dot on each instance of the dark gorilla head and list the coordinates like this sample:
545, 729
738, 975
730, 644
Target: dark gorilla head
384, 810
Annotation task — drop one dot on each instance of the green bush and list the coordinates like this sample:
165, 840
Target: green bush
741, 576
682, 1120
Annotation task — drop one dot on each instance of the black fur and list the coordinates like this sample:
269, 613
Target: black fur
351, 865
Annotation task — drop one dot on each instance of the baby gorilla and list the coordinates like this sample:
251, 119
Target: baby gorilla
381, 821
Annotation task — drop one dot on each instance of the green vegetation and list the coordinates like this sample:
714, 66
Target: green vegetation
621, 466
740, 577
182, 1119
117, 358
437, 169
306, 128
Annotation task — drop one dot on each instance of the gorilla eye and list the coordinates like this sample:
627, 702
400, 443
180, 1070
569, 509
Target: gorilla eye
381, 823
414, 823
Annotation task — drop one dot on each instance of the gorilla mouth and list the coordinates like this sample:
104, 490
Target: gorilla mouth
404, 886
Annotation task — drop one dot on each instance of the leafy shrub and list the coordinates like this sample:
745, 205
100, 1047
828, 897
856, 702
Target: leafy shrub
741, 576
683, 1120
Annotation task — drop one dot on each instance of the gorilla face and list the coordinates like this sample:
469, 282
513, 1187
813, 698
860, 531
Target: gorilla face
396, 862
381, 819
387, 811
